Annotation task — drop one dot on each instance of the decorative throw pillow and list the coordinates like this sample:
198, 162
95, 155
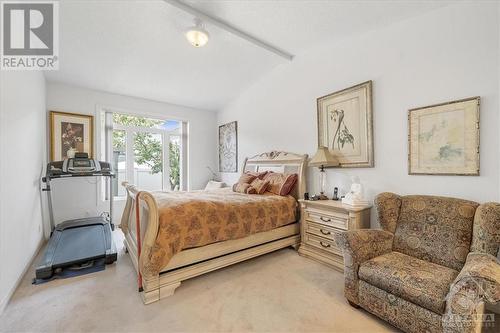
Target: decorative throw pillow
251, 190
241, 187
281, 183
246, 177
259, 185
259, 175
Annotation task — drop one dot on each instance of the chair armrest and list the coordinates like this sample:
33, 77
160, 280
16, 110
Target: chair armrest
363, 244
485, 236
477, 282
358, 246
480, 273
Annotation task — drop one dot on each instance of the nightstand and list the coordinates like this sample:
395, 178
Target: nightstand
320, 221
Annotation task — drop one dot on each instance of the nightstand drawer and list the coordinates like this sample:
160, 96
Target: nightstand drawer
321, 230
322, 243
336, 220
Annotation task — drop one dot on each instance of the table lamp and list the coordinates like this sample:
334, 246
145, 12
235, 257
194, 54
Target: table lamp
323, 159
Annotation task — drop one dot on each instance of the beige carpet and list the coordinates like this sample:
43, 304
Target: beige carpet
277, 292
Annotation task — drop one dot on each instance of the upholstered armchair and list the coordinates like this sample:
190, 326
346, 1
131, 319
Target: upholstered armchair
431, 268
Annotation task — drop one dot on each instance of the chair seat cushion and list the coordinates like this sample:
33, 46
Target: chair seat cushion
421, 282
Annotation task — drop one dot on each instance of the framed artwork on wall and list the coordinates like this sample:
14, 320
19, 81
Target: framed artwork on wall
444, 138
345, 125
228, 147
70, 133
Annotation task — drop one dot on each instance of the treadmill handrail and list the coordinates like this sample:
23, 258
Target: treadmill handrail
70, 175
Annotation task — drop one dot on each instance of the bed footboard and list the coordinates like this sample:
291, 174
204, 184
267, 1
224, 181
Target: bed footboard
140, 207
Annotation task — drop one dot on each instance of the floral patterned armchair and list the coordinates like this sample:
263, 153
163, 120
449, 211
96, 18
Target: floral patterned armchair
431, 268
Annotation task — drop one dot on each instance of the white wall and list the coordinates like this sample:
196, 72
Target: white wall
446, 54
22, 151
77, 198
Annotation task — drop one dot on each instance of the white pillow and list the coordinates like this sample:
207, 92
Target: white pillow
212, 185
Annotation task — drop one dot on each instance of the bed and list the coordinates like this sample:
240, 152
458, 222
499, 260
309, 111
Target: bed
161, 267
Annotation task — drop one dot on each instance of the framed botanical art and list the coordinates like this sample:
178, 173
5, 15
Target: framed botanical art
444, 138
70, 133
228, 147
345, 125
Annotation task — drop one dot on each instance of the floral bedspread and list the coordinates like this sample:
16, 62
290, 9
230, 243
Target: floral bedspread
192, 219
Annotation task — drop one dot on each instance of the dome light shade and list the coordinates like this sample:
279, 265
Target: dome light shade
197, 35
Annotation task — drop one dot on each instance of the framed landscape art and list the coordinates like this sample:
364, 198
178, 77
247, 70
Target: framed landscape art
444, 138
345, 125
228, 147
70, 133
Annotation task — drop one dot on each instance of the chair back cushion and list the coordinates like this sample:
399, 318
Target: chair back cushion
436, 229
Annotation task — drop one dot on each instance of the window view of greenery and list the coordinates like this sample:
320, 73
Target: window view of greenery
148, 158
148, 149
175, 157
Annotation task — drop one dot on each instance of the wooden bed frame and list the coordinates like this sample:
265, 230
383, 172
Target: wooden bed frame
196, 261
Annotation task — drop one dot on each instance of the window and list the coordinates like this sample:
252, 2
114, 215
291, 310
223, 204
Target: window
146, 152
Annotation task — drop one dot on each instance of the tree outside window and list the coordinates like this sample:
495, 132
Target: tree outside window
147, 147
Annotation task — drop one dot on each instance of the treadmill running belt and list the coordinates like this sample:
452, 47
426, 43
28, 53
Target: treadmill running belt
76, 243
79, 244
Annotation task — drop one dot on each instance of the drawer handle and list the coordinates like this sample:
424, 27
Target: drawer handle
325, 232
324, 245
324, 220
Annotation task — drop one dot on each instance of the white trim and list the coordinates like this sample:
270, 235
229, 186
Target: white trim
137, 113
229, 28
108, 148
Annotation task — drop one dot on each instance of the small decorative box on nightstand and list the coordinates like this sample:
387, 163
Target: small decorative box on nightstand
320, 221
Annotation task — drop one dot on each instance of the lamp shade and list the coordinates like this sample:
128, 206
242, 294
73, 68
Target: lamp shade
323, 158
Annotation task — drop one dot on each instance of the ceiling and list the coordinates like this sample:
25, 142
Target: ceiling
137, 48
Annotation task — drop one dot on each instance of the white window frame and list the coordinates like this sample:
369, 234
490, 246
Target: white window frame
105, 119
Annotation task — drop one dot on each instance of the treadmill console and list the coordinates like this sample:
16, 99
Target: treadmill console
80, 165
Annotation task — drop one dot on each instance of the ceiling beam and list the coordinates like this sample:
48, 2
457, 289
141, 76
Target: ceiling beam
225, 26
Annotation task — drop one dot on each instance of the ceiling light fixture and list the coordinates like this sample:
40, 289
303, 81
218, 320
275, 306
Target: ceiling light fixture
214, 21
197, 35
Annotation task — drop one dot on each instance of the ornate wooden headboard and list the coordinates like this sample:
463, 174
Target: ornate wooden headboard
279, 161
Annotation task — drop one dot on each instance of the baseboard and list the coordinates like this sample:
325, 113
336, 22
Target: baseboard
5, 301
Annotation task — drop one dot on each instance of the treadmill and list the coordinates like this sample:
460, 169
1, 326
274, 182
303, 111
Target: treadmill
77, 243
